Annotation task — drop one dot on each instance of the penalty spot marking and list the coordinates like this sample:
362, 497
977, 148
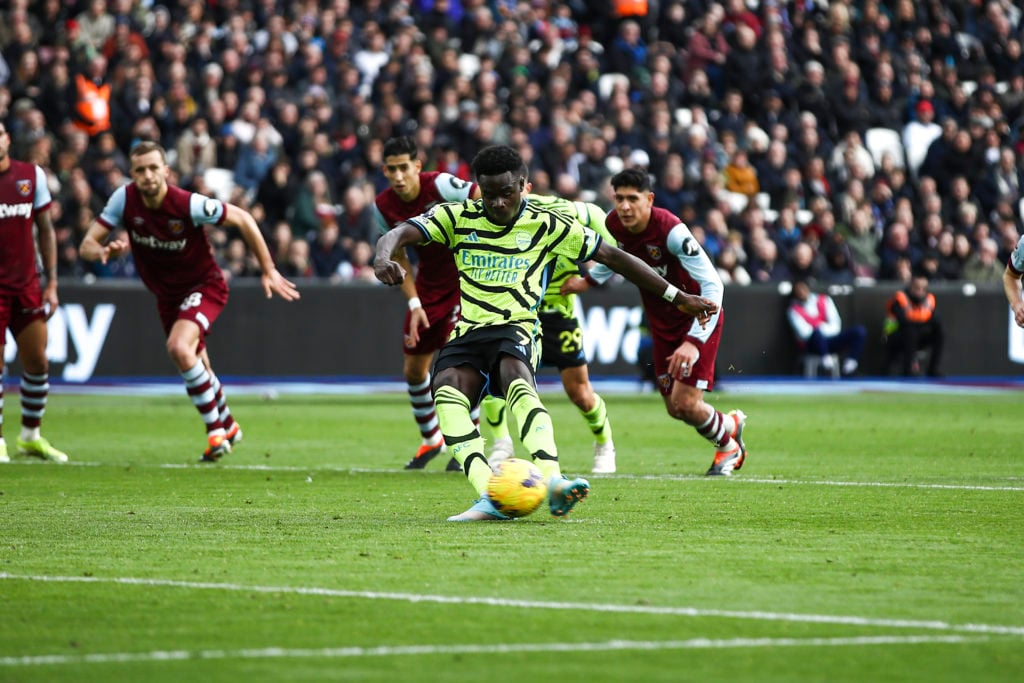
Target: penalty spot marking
490, 649
930, 625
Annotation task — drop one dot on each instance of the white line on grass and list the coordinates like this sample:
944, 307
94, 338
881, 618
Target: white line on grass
660, 477
490, 649
934, 625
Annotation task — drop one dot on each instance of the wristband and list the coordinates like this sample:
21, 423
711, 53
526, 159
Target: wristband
415, 303
670, 293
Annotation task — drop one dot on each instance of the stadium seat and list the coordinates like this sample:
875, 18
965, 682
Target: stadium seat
763, 200
221, 182
469, 65
737, 201
614, 164
882, 140
607, 83
813, 365
684, 117
970, 45
968, 87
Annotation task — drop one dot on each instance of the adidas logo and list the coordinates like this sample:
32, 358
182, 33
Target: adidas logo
472, 237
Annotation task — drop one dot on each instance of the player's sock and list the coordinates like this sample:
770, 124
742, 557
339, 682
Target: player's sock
34, 390
1, 403
536, 431
597, 420
717, 428
200, 391
494, 412
423, 410
464, 441
222, 404
474, 415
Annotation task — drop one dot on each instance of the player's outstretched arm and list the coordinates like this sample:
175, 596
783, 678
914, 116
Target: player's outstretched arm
645, 277
1012, 287
385, 267
94, 246
272, 280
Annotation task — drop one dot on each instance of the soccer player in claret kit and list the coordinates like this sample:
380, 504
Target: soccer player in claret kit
684, 349
24, 307
503, 248
433, 295
175, 261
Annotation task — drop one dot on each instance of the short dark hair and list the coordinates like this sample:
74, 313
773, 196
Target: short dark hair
145, 147
497, 159
632, 177
403, 144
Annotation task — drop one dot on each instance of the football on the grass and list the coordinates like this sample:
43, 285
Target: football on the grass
517, 488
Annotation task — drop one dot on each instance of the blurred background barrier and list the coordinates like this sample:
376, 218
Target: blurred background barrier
111, 331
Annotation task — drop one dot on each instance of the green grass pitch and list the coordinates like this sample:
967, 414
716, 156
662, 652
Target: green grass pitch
869, 537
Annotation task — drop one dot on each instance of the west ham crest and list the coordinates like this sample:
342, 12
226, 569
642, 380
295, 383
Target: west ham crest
654, 251
176, 225
24, 187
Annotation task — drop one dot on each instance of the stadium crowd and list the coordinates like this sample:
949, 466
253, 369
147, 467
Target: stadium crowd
844, 142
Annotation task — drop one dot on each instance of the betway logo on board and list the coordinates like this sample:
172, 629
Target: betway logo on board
70, 323
610, 334
1016, 340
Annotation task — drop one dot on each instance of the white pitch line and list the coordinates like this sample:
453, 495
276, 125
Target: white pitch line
652, 477
468, 649
932, 625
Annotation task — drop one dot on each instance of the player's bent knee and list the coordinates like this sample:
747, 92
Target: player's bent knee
180, 352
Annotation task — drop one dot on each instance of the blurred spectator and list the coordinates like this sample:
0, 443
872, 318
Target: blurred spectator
277, 190
740, 176
819, 330
708, 48
195, 150
803, 263
765, 264
1003, 182
326, 252
863, 242
95, 24
297, 262
312, 207
355, 221
327, 83
730, 269
919, 133
984, 266
912, 325
254, 162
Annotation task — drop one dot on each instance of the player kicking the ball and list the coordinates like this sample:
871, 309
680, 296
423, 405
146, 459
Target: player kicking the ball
174, 259
503, 246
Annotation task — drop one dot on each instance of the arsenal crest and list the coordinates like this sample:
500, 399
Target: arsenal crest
24, 187
176, 225
654, 251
